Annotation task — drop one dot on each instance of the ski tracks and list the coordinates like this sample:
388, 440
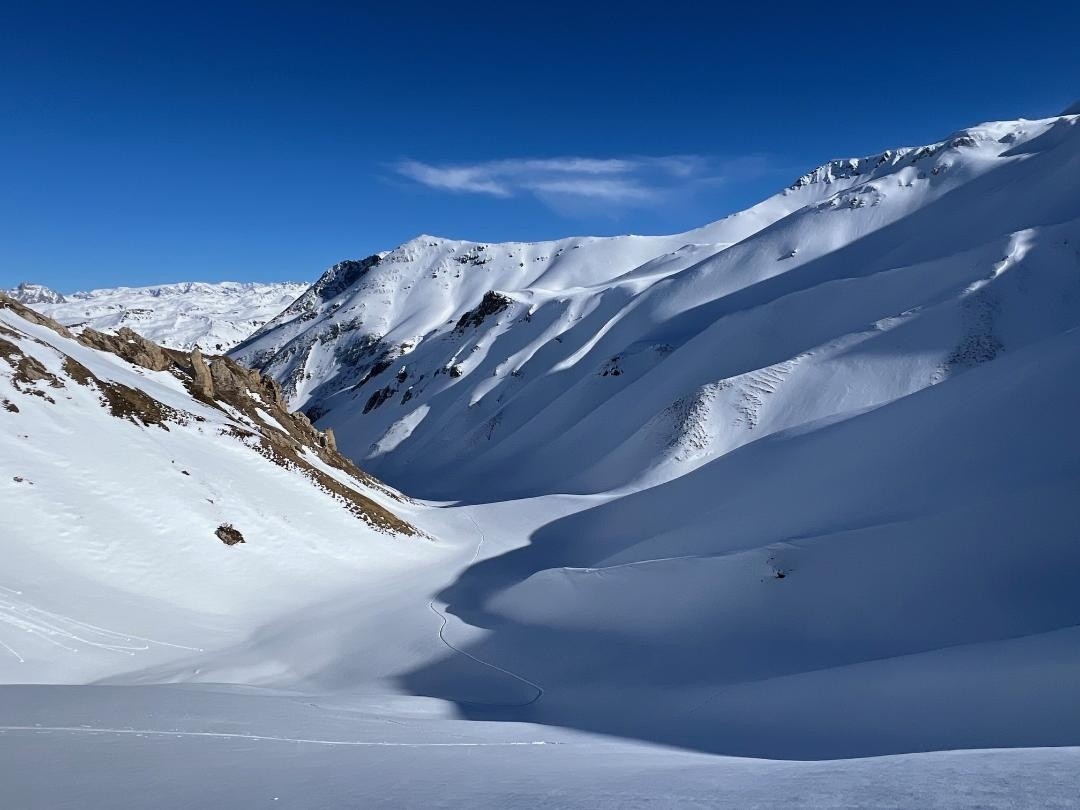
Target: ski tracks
442, 637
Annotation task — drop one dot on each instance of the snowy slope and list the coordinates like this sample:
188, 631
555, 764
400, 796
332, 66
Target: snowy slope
822, 465
114, 479
630, 361
214, 317
123, 747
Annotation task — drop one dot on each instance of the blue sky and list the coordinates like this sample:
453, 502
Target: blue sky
151, 142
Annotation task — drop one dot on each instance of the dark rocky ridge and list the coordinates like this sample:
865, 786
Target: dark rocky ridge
331, 283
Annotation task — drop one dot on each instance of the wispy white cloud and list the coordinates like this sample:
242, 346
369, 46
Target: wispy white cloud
472, 179
558, 181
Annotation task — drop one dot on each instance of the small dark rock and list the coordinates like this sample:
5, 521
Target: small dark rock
229, 534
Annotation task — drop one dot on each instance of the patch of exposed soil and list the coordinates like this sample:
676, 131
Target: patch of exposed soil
123, 401
361, 506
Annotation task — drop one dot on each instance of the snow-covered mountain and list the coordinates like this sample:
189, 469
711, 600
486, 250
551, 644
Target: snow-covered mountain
798, 485
34, 294
214, 317
820, 455
626, 362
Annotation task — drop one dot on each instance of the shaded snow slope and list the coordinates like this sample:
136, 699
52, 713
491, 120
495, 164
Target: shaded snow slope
213, 316
894, 580
162, 747
626, 362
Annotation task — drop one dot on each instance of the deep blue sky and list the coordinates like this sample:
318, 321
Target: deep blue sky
149, 142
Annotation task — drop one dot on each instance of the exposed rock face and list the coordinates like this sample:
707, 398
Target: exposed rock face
333, 282
27, 314
491, 304
329, 440
229, 534
204, 382
129, 345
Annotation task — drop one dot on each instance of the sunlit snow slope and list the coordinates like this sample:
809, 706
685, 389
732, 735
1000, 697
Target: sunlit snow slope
114, 479
460, 369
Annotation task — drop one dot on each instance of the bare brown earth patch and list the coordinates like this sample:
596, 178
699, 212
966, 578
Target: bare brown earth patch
361, 506
28, 371
123, 401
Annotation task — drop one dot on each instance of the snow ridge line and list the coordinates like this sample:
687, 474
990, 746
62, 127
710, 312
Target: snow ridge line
263, 737
442, 637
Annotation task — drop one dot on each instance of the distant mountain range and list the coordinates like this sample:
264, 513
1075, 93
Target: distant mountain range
214, 317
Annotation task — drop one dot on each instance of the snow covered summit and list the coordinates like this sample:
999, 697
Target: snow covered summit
35, 294
633, 360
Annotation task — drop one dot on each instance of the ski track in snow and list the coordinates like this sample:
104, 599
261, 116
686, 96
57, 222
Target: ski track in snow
56, 629
442, 637
139, 732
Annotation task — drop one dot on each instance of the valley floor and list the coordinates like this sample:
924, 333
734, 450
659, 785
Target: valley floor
180, 747
173, 736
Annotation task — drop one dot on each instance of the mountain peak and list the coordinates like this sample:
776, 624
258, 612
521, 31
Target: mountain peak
30, 293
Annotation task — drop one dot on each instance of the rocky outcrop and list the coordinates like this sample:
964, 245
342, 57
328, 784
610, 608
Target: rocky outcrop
491, 304
131, 346
27, 314
202, 379
252, 400
331, 283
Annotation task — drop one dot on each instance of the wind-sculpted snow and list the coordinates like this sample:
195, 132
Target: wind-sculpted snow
214, 317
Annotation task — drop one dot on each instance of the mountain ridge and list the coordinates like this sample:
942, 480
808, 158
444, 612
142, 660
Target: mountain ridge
375, 359
214, 316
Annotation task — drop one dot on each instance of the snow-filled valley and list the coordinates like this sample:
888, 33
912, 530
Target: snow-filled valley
776, 512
